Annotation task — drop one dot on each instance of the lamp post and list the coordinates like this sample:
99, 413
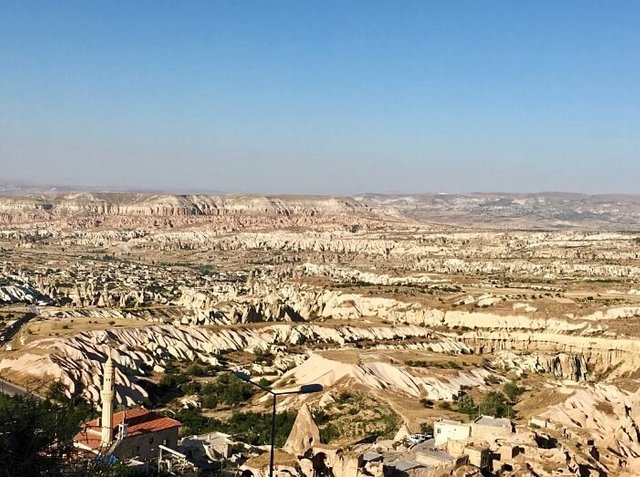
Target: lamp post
304, 389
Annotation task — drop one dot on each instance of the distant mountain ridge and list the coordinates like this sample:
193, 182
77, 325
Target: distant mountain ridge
24, 187
512, 210
549, 210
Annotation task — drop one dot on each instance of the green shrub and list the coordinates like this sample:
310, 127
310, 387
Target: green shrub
193, 422
264, 357
416, 364
467, 405
344, 397
196, 370
426, 428
428, 403
173, 380
209, 401
190, 388
491, 379
512, 391
229, 390
329, 433
255, 428
495, 404
454, 365
321, 418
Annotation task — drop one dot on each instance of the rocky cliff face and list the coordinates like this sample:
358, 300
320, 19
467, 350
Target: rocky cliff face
20, 293
607, 417
529, 211
77, 361
544, 210
576, 348
98, 209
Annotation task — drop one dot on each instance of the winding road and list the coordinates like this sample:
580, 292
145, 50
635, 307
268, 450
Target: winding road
5, 336
10, 331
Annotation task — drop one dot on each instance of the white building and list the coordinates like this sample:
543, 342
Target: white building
445, 430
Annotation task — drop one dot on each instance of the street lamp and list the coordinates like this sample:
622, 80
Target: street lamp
304, 389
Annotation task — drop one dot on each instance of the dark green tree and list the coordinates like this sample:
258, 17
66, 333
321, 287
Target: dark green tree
36, 436
512, 391
467, 405
495, 404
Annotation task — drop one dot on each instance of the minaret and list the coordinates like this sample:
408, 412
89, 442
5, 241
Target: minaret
107, 404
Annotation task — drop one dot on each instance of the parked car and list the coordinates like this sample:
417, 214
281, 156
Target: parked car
416, 438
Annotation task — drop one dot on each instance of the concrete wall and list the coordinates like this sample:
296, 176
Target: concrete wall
489, 433
444, 431
540, 422
145, 446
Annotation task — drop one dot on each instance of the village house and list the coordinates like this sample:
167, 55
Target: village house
487, 428
490, 428
540, 422
212, 445
479, 456
445, 430
405, 468
438, 458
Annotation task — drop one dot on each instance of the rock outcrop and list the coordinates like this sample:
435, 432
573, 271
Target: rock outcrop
304, 433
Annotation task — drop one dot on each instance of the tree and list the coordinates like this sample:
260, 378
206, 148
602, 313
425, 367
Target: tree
36, 436
56, 392
209, 401
495, 404
467, 405
196, 370
228, 390
329, 433
512, 391
426, 428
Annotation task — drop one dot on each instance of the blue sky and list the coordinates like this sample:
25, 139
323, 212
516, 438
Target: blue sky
335, 97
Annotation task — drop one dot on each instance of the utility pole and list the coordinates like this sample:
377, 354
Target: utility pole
305, 389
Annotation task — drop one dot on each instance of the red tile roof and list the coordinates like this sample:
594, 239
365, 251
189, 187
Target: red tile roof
87, 440
139, 421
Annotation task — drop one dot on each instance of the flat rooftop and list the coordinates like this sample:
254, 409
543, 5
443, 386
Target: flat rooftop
493, 422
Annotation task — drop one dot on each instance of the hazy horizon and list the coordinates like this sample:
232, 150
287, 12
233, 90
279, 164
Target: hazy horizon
338, 98
20, 186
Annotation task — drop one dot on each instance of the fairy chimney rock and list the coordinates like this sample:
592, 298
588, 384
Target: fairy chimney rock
304, 433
